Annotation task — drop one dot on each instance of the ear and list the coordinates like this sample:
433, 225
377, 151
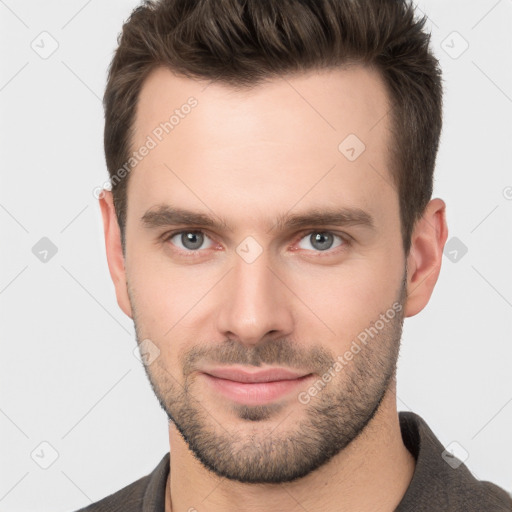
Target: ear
424, 260
115, 257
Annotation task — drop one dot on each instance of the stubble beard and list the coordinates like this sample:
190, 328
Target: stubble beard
281, 441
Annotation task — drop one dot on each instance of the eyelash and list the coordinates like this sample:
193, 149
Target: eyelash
346, 242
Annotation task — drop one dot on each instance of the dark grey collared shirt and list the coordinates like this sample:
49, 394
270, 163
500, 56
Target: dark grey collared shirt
439, 482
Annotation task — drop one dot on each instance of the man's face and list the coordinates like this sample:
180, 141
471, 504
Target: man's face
302, 258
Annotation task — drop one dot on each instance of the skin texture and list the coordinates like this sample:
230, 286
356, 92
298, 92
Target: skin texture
252, 158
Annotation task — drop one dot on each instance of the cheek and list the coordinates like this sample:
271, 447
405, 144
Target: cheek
167, 298
163, 305
154, 297
348, 298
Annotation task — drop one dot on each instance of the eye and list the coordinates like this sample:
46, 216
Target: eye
190, 240
321, 241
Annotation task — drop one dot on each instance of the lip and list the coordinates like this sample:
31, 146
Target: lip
239, 374
254, 388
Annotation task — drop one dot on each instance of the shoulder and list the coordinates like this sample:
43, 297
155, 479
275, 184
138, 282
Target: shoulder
441, 481
145, 493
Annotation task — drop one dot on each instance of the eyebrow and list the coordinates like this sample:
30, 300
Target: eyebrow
321, 217
165, 215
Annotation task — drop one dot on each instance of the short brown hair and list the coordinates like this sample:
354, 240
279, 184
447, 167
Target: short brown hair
242, 42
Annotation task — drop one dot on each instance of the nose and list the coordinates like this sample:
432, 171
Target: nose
256, 304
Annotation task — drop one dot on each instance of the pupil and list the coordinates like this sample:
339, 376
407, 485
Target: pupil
321, 241
192, 240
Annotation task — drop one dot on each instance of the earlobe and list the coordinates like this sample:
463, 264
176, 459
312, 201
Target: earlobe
425, 257
113, 247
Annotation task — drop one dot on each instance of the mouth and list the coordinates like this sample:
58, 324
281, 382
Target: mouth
255, 387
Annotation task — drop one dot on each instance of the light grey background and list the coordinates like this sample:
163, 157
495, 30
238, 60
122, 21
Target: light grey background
68, 376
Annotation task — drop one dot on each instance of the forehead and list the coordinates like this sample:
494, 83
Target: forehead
320, 138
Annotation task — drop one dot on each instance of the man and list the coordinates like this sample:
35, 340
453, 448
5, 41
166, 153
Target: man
270, 226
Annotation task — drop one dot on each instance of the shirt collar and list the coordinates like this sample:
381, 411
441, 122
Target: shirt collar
439, 481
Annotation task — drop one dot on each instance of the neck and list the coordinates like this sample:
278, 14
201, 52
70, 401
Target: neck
371, 474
